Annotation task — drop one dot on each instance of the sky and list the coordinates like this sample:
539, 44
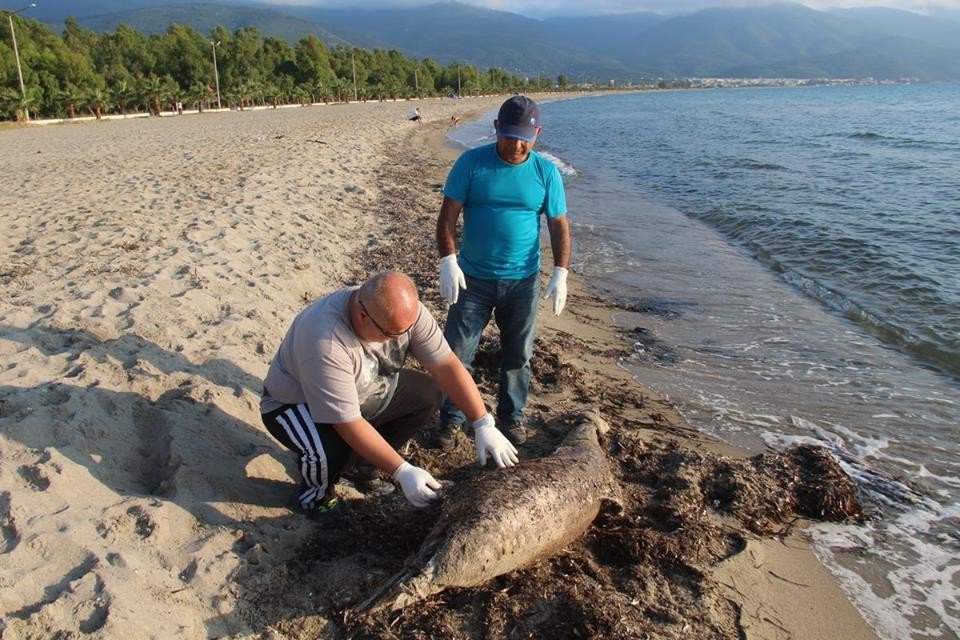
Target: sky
551, 8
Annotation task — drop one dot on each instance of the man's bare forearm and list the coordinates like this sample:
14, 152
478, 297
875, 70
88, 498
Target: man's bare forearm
454, 379
367, 442
560, 241
447, 226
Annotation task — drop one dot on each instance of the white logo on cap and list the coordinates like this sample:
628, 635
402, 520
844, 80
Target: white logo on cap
533, 121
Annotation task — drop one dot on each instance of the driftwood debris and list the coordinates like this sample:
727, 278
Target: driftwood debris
507, 519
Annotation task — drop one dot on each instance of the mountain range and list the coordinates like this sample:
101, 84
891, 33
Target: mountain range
778, 40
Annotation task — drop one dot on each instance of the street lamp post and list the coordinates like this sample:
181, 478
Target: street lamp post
216, 73
16, 55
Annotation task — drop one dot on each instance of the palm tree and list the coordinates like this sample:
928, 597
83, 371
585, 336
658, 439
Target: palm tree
302, 94
97, 101
149, 90
318, 92
30, 102
395, 88
199, 92
9, 99
234, 96
121, 94
158, 91
271, 92
245, 91
70, 97
339, 86
257, 91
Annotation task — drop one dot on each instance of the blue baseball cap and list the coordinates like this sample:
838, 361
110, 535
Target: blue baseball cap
519, 117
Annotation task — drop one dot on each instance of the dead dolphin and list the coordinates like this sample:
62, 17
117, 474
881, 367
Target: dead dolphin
507, 519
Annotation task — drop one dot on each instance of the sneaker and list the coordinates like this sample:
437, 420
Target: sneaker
374, 487
365, 479
324, 511
446, 438
517, 433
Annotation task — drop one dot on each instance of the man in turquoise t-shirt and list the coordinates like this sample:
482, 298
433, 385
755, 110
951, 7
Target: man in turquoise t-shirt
502, 190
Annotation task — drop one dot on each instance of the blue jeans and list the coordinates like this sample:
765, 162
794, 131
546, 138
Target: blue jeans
513, 304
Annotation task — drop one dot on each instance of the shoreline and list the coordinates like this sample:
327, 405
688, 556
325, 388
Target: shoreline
150, 276
812, 605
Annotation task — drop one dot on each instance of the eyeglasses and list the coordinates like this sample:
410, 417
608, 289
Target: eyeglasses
383, 331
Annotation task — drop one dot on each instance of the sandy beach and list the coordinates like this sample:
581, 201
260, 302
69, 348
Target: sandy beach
150, 268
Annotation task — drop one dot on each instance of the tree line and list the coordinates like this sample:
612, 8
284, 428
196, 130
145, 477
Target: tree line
80, 71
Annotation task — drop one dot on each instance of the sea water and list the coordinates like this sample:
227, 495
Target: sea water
792, 260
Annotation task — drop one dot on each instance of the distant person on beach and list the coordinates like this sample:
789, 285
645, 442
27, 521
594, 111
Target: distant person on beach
416, 117
336, 390
502, 189
454, 122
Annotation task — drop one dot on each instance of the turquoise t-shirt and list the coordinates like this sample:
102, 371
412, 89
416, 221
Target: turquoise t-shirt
502, 203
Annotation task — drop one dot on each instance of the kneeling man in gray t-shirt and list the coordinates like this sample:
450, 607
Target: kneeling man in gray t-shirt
337, 387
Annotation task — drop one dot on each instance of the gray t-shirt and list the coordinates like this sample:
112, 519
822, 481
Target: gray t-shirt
322, 363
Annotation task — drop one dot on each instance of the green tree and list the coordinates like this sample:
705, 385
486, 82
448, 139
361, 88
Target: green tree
313, 62
124, 69
344, 60
271, 93
239, 58
122, 93
301, 94
199, 93
19, 104
8, 102
97, 101
277, 65
184, 55
341, 87
158, 91
249, 92
79, 40
322, 90
42, 56
125, 53
69, 98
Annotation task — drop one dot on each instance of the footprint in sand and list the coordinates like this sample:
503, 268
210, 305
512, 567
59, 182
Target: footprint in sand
9, 535
135, 521
34, 476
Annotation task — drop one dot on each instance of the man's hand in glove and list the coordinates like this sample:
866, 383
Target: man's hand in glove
557, 287
451, 278
417, 484
490, 441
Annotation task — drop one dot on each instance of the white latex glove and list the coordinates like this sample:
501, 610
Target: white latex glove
451, 278
417, 484
557, 287
490, 440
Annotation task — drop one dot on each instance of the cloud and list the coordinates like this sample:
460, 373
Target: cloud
551, 8
536, 8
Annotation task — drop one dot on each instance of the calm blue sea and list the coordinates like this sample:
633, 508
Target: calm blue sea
792, 257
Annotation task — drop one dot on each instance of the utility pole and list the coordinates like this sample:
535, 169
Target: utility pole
216, 74
16, 54
458, 81
353, 65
